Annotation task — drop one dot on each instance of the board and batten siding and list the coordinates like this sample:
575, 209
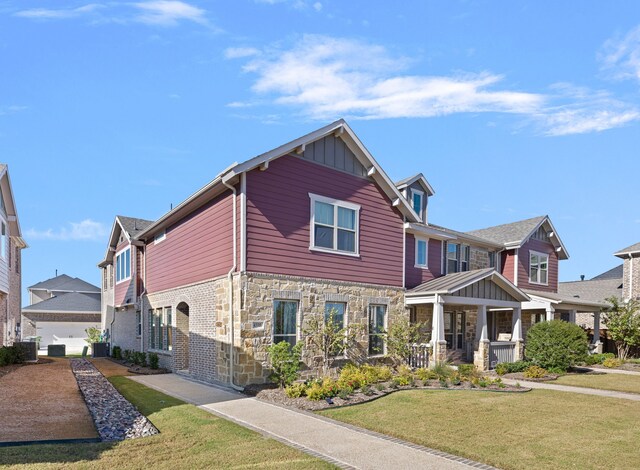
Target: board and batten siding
125, 289
416, 276
197, 248
278, 224
4, 261
523, 265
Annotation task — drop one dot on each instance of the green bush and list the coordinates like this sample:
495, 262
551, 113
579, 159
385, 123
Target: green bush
116, 352
374, 374
380, 387
612, 363
11, 355
534, 372
402, 380
319, 390
352, 376
295, 390
443, 370
285, 362
153, 360
466, 371
344, 393
127, 355
556, 344
594, 359
511, 367
425, 374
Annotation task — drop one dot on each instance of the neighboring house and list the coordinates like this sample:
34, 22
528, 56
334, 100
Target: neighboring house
631, 271
11, 246
61, 309
312, 226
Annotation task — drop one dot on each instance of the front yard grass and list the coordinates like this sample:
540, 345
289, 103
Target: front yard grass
541, 429
616, 382
189, 438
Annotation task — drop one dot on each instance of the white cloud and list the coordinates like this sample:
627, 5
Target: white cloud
325, 78
620, 56
87, 230
240, 52
49, 14
12, 109
169, 12
317, 6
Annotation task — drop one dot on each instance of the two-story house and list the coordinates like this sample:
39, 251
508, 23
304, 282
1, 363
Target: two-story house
11, 246
311, 227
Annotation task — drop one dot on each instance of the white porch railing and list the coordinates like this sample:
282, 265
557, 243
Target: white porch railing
419, 356
501, 351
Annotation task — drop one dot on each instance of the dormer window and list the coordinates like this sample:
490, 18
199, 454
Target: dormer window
538, 268
417, 198
123, 265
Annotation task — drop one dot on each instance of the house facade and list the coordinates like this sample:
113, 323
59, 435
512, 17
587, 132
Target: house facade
11, 246
312, 227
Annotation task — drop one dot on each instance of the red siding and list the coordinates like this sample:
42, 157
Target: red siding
278, 215
523, 266
197, 248
416, 276
124, 290
507, 263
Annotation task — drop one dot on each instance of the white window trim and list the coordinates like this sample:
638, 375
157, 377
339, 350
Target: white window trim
335, 202
426, 254
421, 194
538, 254
160, 237
130, 269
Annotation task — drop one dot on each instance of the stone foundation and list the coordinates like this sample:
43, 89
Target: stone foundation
481, 356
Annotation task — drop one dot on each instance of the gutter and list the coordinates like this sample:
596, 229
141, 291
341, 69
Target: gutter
230, 277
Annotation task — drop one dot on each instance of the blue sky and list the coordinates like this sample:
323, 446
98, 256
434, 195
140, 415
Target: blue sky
510, 109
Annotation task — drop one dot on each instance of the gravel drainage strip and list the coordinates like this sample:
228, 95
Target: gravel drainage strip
115, 418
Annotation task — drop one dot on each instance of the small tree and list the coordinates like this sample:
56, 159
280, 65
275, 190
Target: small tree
400, 336
623, 321
93, 335
556, 344
285, 362
330, 337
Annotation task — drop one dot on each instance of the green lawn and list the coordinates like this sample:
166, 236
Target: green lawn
189, 438
617, 382
541, 429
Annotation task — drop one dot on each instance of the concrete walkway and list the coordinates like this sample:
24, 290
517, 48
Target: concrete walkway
581, 390
615, 371
343, 445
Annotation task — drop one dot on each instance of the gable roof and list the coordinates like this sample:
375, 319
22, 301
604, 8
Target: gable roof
70, 302
635, 248
515, 234
131, 226
567, 298
403, 183
232, 174
450, 283
6, 192
591, 291
613, 273
65, 283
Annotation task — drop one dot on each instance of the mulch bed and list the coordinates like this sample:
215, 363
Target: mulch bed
270, 393
8, 369
139, 369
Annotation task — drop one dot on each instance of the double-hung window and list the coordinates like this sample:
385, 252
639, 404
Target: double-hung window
464, 257
138, 324
421, 252
453, 257
416, 201
334, 316
161, 330
377, 324
285, 321
3, 241
334, 225
123, 265
538, 268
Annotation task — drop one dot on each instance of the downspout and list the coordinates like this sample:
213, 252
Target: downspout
230, 277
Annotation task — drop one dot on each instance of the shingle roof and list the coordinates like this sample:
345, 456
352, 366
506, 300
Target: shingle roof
630, 249
591, 291
462, 234
66, 283
133, 225
514, 232
70, 302
613, 273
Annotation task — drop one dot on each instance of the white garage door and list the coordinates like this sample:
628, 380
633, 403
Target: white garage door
71, 334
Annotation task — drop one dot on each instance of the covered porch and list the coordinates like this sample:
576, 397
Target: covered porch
473, 316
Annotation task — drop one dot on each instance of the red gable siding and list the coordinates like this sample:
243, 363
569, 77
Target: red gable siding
278, 216
507, 263
523, 265
416, 276
197, 248
124, 290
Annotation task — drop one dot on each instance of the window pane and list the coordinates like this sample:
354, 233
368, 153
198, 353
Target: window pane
534, 274
323, 236
452, 266
534, 260
167, 312
346, 241
324, 213
452, 251
380, 318
417, 203
118, 268
346, 218
422, 253
338, 309
127, 262
285, 313
543, 276
289, 339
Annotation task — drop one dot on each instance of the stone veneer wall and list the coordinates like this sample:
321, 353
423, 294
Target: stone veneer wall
631, 289
478, 258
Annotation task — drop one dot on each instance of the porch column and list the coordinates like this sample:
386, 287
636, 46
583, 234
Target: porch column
516, 335
481, 356
437, 332
596, 333
550, 311
572, 316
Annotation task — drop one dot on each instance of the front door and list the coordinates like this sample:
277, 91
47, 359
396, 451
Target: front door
454, 324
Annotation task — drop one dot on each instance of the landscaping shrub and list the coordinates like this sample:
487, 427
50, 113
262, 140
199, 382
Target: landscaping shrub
511, 367
534, 372
380, 387
344, 393
425, 374
153, 360
612, 363
352, 376
466, 372
126, 355
285, 362
594, 359
140, 358
443, 370
401, 381
556, 344
319, 390
374, 374
10, 355
116, 352
295, 390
